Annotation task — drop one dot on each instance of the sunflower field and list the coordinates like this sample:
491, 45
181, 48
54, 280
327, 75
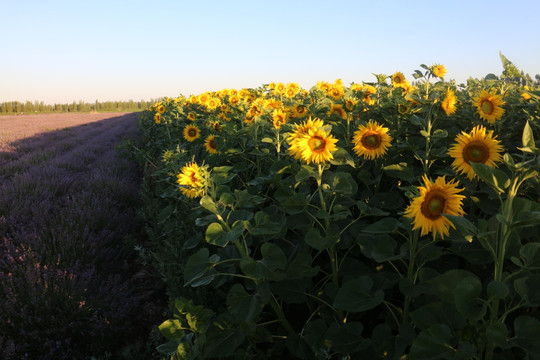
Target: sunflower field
395, 219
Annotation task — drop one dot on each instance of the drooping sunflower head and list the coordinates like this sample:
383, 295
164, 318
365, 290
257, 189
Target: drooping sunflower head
478, 146
338, 110
449, 102
439, 70
279, 117
191, 133
371, 141
398, 79
157, 118
210, 144
436, 198
316, 146
488, 106
191, 181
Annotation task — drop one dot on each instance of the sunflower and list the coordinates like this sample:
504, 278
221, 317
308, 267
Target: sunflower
210, 145
439, 71
291, 90
398, 79
371, 141
279, 117
157, 118
488, 106
478, 146
190, 180
299, 132
338, 110
213, 103
323, 86
300, 111
368, 91
336, 92
316, 146
161, 109
191, 133
435, 199
280, 88
191, 116
449, 102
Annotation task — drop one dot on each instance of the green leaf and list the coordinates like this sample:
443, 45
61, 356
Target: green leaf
527, 139
439, 134
464, 226
383, 226
314, 239
172, 329
342, 157
497, 290
243, 306
198, 269
215, 234
418, 121
497, 333
273, 257
222, 340
434, 342
207, 203
400, 171
264, 226
467, 298
527, 329
444, 285
530, 254
380, 248
357, 295
346, 338
170, 348
343, 183
437, 312
495, 178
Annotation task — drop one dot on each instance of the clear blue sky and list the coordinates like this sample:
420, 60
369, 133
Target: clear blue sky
61, 51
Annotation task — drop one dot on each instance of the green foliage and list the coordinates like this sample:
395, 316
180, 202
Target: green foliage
282, 258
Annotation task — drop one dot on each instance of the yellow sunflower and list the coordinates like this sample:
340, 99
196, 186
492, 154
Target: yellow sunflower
439, 70
299, 132
279, 117
161, 109
316, 146
338, 110
291, 90
210, 145
398, 79
191, 116
336, 92
488, 106
371, 141
191, 133
300, 111
190, 180
435, 199
478, 146
449, 102
157, 118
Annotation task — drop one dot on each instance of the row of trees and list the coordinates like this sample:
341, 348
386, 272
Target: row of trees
17, 107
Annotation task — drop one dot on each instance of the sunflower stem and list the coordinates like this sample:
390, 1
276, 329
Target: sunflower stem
410, 273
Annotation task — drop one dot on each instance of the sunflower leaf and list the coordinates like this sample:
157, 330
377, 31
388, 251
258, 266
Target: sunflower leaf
527, 138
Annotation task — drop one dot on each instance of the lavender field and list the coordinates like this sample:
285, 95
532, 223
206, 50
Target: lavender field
70, 283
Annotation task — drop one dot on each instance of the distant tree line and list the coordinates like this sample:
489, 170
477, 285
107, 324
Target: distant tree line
17, 107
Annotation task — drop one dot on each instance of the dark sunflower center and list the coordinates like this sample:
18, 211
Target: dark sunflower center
487, 107
476, 151
192, 177
192, 132
433, 205
211, 144
316, 143
371, 141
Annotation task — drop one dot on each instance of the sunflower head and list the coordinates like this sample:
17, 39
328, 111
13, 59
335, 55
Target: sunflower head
279, 117
371, 141
157, 118
317, 146
436, 198
398, 79
210, 144
191, 132
488, 106
439, 70
338, 110
449, 102
477, 146
191, 116
161, 109
191, 181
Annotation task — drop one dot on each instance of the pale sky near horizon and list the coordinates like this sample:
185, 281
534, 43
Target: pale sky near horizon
65, 51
